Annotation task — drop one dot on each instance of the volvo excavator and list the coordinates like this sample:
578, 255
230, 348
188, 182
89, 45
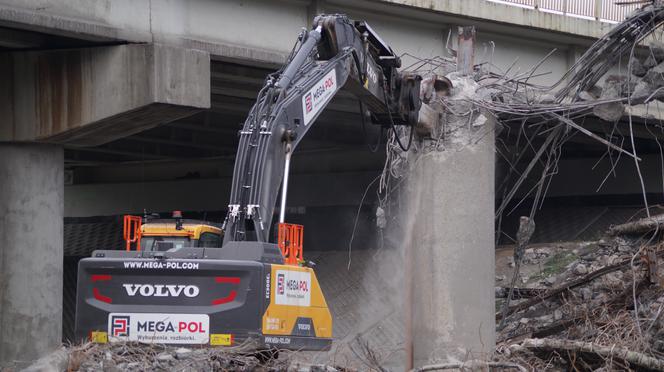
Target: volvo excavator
250, 290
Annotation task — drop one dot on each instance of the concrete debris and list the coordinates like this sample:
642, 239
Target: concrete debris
654, 76
550, 280
53, 362
557, 314
580, 269
140, 357
657, 51
641, 93
649, 62
604, 312
637, 68
586, 294
510, 261
547, 99
182, 353
613, 88
587, 96
381, 220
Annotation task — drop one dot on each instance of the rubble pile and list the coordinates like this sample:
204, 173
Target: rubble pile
152, 357
588, 306
641, 85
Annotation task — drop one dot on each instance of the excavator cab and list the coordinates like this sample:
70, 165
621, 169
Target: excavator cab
152, 233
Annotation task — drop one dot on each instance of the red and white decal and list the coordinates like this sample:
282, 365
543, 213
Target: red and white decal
159, 328
293, 288
315, 99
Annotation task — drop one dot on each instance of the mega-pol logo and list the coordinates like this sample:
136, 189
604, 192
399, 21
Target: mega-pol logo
120, 325
308, 104
315, 99
281, 279
160, 328
293, 288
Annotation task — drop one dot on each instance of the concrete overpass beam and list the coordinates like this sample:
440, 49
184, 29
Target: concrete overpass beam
31, 239
88, 97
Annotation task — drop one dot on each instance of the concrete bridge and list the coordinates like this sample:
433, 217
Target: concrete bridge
112, 106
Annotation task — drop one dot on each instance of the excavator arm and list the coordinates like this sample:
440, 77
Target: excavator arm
336, 54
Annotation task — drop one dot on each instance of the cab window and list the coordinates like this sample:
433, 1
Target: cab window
209, 240
165, 243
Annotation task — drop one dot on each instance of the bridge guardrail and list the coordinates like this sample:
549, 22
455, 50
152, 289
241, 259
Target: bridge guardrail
600, 10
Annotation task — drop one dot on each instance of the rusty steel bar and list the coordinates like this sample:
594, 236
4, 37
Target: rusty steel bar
466, 52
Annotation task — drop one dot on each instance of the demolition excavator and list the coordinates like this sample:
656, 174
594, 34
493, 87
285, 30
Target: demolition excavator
249, 290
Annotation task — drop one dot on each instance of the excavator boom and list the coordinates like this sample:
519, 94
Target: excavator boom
336, 54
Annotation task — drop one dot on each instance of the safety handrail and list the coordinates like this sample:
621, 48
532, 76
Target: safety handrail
132, 231
290, 238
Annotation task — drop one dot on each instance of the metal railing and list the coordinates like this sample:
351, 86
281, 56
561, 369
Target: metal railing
601, 10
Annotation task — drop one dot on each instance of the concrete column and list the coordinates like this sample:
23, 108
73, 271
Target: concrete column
449, 233
451, 196
31, 238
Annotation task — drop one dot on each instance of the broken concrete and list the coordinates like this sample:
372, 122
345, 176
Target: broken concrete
451, 312
656, 49
654, 76
637, 68
594, 301
613, 88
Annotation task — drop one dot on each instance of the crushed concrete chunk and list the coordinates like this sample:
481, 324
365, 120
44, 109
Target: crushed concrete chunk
649, 62
164, 357
586, 294
641, 93
637, 68
182, 353
550, 280
657, 51
613, 89
587, 96
580, 269
655, 76
557, 314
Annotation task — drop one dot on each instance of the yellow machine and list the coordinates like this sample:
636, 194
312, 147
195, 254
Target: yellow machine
174, 284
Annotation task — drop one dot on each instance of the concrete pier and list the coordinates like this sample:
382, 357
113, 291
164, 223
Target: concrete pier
31, 236
452, 252
449, 238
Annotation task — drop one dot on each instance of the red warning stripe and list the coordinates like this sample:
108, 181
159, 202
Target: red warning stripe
101, 297
231, 296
